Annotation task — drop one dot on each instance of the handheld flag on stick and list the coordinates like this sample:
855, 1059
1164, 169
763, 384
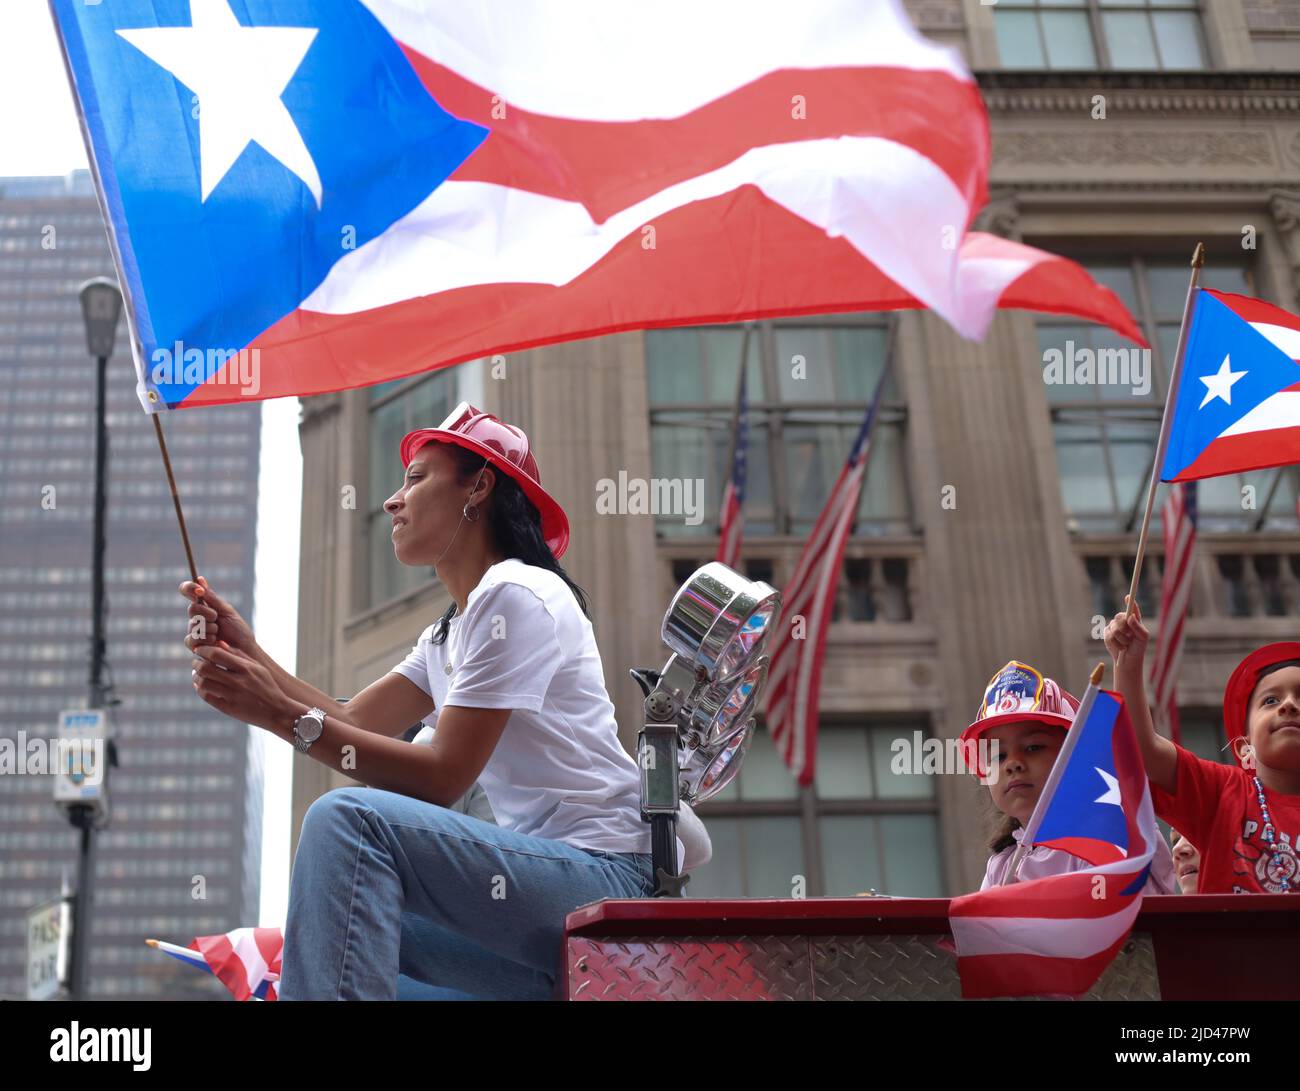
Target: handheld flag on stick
1062, 818
246, 961
1238, 406
1058, 934
1162, 443
1234, 395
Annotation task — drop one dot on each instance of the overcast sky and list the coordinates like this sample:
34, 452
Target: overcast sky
39, 135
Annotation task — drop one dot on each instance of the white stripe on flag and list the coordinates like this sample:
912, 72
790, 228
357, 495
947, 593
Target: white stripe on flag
879, 195
1069, 938
1285, 338
598, 68
246, 950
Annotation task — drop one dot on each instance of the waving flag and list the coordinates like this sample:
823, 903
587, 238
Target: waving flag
1238, 404
246, 961
1058, 934
313, 196
795, 672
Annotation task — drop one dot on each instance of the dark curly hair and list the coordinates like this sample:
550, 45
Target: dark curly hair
514, 523
1003, 826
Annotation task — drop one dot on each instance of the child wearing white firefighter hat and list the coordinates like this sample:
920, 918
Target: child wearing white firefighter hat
1017, 733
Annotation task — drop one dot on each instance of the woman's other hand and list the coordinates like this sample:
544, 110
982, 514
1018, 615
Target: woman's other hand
234, 683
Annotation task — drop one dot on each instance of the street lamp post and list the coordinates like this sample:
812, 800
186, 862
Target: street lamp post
101, 309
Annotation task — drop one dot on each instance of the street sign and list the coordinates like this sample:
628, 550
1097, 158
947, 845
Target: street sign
44, 927
82, 761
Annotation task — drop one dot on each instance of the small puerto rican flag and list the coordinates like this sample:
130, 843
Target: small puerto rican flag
1056, 935
245, 960
1238, 405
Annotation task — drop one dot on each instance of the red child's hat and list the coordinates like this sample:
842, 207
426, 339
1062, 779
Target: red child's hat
1236, 695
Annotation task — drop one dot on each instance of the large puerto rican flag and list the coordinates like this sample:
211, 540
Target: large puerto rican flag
1056, 935
360, 190
1238, 406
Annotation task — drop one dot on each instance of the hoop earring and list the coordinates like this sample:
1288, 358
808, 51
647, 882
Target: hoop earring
468, 511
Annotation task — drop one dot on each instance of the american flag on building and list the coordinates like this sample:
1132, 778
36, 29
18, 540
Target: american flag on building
794, 677
1179, 516
732, 519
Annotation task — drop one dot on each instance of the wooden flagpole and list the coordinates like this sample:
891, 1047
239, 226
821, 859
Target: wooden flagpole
1166, 422
176, 497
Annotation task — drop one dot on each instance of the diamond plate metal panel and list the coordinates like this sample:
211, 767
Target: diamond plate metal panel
1132, 976
841, 967
884, 967
689, 968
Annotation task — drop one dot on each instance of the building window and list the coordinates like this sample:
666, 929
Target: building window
859, 827
808, 384
395, 409
1092, 34
1106, 432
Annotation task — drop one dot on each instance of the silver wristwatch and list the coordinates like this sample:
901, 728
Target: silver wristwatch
307, 729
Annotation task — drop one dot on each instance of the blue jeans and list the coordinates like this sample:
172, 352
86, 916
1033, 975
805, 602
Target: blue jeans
384, 886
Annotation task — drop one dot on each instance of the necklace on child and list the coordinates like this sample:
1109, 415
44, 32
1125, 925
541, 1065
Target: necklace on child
1276, 862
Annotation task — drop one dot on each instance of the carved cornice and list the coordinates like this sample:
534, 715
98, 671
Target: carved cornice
1154, 191
1151, 94
1105, 145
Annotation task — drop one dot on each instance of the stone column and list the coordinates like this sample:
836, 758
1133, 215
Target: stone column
320, 433
585, 408
996, 546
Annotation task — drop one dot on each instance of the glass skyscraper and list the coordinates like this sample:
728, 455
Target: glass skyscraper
181, 853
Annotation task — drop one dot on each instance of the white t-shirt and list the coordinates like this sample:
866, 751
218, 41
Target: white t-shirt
559, 770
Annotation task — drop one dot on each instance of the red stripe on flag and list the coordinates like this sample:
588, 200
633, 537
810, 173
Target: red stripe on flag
989, 976
608, 166
1256, 310
226, 965
737, 246
1066, 282
270, 944
1245, 452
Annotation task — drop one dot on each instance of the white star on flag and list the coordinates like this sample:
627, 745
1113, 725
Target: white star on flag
238, 74
1219, 385
1111, 794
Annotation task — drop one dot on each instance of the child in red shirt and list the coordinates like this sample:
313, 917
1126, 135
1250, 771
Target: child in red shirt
1245, 820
